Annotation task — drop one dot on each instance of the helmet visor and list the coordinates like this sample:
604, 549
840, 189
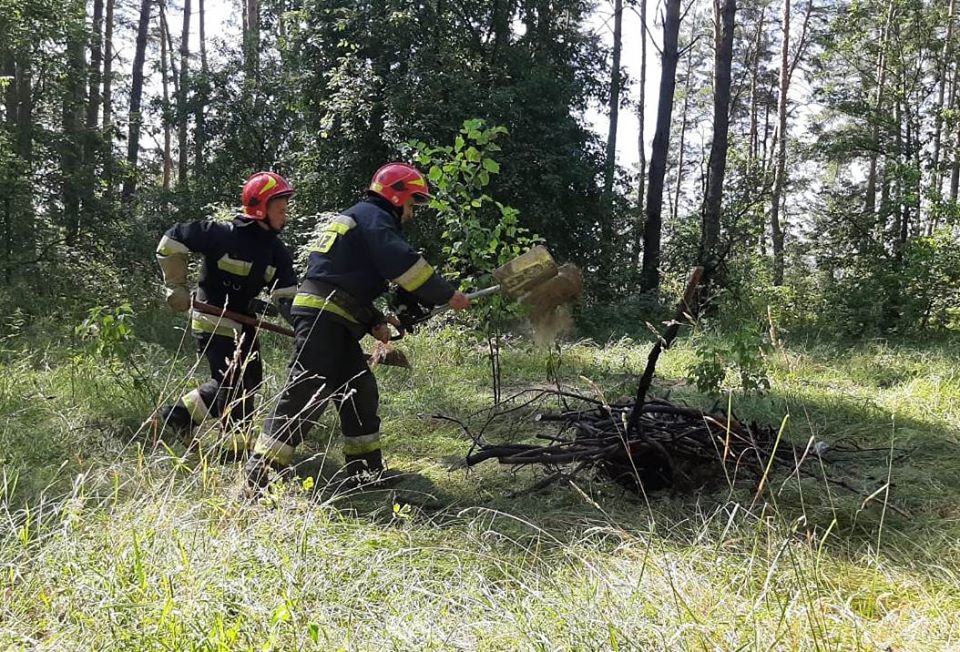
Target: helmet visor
420, 198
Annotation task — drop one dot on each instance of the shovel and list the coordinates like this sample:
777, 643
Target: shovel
532, 278
381, 354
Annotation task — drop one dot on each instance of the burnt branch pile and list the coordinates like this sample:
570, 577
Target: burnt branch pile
671, 446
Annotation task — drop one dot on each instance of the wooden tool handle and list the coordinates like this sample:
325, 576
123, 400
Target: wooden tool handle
216, 311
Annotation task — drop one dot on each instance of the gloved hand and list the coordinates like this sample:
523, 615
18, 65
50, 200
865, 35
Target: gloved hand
382, 332
178, 298
408, 309
261, 307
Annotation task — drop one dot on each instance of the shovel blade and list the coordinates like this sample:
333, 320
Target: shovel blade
526, 272
387, 355
564, 287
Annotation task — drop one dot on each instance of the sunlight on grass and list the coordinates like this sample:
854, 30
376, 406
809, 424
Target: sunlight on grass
112, 540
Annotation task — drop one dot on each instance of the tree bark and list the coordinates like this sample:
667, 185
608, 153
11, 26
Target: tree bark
955, 128
165, 85
7, 170
136, 96
723, 60
681, 150
936, 178
72, 137
96, 62
871, 194
650, 273
251, 42
8, 68
203, 91
754, 147
182, 110
779, 179
108, 74
641, 146
610, 162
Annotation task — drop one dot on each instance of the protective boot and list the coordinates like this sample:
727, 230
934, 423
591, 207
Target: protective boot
260, 472
176, 420
365, 471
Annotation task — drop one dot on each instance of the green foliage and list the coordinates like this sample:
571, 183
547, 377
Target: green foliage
930, 283
107, 331
108, 342
479, 233
740, 356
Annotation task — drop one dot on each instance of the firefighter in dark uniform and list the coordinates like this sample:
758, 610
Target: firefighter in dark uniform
349, 266
241, 258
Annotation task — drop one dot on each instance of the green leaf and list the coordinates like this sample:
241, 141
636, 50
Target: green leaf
491, 166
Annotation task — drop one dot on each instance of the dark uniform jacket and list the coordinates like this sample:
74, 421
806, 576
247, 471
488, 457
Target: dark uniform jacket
359, 251
240, 259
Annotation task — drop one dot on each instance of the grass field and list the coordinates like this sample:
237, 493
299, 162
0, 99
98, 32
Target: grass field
111, 541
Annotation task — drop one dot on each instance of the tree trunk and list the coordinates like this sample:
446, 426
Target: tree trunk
136, 95
108, 104
96, 61
92, 140
650, 274
108, 75
500, 25
72, 137
641, 146
779, 179
681, 151
182, 109
251, 43
203, 92
610, 162
754, 145
871, 198
723, 60
899, 192
166, 109
936, 178
8, 68
955, 128
24, 110
8, 172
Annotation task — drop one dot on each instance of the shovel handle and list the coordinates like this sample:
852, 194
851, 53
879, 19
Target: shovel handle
485, 292
217, 311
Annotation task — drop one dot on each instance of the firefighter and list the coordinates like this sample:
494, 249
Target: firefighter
349, 266
241, 258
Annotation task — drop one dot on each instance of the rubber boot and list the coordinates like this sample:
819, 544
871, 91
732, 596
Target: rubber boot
176, 420
260, 473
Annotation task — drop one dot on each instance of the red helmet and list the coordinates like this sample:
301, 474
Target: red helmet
398, 182
259, 189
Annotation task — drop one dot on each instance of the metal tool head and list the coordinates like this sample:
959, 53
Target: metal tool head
524, 273
386, 355
564, 287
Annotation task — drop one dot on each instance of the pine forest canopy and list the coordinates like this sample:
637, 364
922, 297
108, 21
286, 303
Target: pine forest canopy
807, 151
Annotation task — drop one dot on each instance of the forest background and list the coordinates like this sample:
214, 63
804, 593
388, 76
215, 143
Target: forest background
807, 153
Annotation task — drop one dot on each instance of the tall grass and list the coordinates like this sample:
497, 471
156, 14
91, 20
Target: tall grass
113, 539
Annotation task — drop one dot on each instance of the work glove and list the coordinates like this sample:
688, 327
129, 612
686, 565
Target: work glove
408, 308
261, 307
178, 298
